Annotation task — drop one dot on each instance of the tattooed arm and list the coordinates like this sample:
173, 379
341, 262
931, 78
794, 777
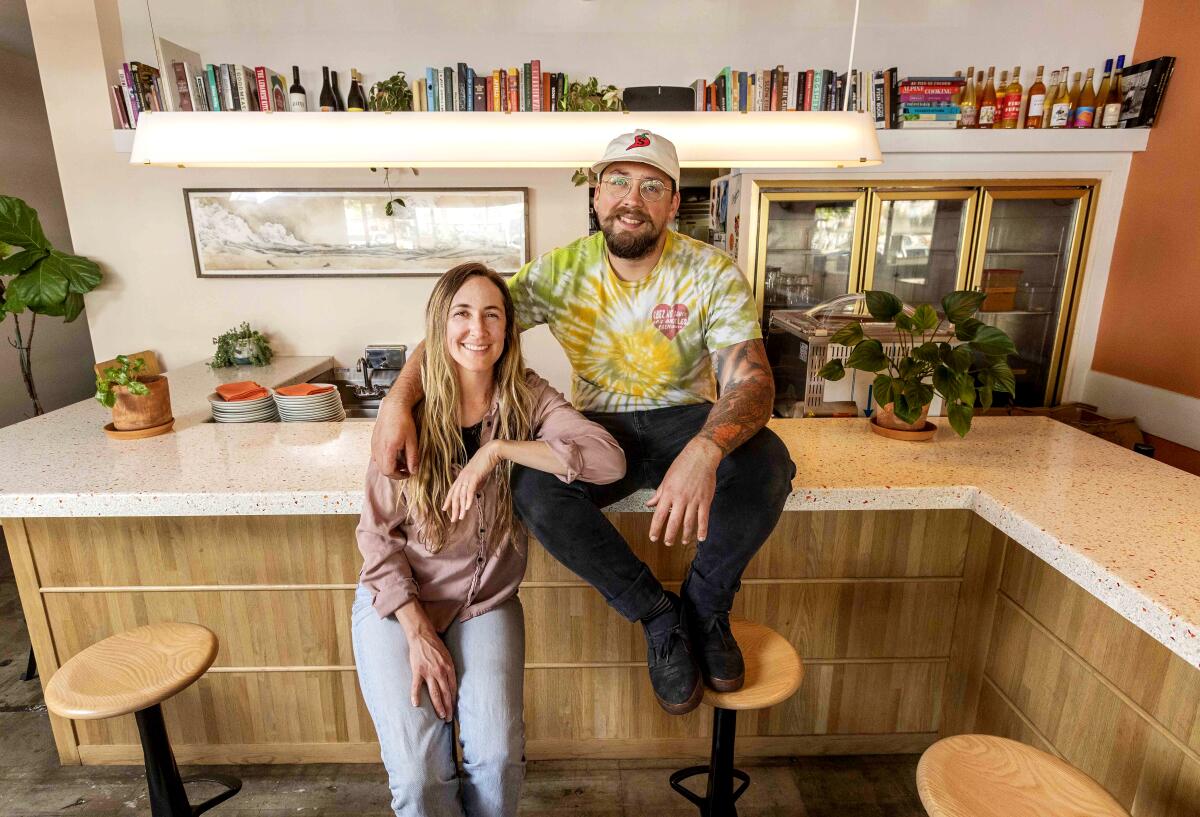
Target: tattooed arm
746, 396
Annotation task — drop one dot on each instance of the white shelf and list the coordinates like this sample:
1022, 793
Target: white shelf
900, 141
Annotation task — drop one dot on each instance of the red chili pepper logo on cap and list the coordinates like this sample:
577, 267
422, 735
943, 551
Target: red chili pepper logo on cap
641, 140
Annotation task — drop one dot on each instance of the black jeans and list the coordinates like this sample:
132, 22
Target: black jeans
752, 484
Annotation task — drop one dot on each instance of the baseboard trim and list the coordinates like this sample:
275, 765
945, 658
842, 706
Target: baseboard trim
1161, 412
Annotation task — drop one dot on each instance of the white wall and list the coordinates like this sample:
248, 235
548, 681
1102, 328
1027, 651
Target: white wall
133, 220
62, 352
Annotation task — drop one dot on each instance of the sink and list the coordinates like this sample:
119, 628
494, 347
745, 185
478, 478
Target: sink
357, 407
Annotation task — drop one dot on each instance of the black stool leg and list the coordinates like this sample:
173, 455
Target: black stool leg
721, 795
167, 796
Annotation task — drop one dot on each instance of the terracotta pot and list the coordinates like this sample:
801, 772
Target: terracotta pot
887, 418
132, 412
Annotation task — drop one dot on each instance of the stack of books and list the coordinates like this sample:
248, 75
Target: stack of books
930, 102
224, 87
520, 88
777, 89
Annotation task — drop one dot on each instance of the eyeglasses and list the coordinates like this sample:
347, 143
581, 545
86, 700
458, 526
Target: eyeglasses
650, 189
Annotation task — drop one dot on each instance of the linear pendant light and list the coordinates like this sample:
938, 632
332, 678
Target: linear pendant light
755, 139
463, 139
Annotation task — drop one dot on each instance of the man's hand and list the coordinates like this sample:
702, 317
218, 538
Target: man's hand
685, 496
394, 440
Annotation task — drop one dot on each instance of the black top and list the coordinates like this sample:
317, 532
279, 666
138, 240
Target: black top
470, 438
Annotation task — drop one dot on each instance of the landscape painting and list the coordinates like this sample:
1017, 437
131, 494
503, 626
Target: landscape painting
321, 233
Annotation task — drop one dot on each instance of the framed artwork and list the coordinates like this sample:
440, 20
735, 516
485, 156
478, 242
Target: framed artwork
326, 233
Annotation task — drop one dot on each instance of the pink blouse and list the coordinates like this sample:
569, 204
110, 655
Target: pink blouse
469, 575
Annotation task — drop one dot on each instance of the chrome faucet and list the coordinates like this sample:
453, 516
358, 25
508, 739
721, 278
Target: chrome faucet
376, 360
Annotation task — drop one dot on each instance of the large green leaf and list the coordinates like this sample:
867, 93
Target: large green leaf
883, 306
883, 389
40, 287
985, 397
966, 329
19, 224
945, 381
966, 390
848, 335
867, 356
82, 274
905, 323
926, 318
21, 260
905, 408
962, 304
927, 353
833, 370
960, 418
991, 341
1002, 377
72, 306
917, 393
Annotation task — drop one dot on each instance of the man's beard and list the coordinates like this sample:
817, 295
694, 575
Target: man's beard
630, 244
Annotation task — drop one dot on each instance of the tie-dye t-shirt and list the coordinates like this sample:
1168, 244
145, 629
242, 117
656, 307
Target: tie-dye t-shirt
643, 344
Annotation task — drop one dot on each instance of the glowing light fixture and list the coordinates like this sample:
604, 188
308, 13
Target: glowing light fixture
758, 139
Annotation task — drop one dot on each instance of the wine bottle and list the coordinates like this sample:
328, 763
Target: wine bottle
987, 106
1112, 103
339, 103
355, 101
1051, 93
1012, 101
969, 103
328, 100
1037, 101
297, 99
1001, 93
1102, 94
1075, 91
1060, 111
1085, 112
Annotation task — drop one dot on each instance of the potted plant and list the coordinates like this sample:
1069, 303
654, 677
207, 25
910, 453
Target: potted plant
137, 401
393, 94
241, 346
40, 280
962, 375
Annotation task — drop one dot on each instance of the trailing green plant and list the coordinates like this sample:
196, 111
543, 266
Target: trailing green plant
37, 278
125, 373
258, 349
590, 96
392, 94
963, 375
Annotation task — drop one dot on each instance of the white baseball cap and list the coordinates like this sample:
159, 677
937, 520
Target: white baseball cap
641, 146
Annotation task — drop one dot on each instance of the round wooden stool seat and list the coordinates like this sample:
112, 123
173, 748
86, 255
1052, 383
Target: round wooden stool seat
987, 776
131, 671
773, 669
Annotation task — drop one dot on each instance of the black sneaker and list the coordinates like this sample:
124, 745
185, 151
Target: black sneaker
673, 672
717, 653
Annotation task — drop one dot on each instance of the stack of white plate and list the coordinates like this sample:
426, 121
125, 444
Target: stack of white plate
312, 408
261, 410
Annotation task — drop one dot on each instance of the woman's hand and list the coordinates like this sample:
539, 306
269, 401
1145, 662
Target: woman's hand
429, 661
474, 474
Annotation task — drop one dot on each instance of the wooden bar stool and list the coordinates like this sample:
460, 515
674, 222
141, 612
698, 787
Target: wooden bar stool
988, 776
773, 673
136, 671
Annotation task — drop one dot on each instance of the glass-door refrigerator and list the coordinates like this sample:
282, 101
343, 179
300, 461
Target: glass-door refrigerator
1027, 258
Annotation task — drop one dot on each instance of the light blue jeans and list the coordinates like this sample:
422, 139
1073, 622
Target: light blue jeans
418, 747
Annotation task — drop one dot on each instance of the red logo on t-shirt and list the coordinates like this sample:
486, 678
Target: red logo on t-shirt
669, 319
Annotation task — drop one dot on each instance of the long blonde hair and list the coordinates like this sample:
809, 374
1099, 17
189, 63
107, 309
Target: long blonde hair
439, 436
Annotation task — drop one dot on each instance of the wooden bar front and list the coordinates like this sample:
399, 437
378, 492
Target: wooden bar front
911, 624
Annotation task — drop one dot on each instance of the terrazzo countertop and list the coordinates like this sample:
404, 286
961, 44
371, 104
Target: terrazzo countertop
1124, 527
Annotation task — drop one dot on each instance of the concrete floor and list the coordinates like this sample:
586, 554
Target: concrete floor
33, 784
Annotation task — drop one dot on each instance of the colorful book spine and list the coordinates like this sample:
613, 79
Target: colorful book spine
183, 87
928, 117
263, 87
527, 86
535, 67
514, 93
463, 79
118, 99
129, 88
430, 89
478, 92
818, 91
547, 105
910, 107
214, 90
497, 90
743, 90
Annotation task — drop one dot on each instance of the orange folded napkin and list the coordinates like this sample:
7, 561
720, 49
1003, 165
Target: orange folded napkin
242, 390
303, 390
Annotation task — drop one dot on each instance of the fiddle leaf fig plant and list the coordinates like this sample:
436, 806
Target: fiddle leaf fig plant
38, 279
962, 375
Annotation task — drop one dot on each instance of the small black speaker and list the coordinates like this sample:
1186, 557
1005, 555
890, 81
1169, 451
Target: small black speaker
660, 98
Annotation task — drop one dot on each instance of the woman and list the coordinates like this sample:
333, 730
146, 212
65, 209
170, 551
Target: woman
436, 616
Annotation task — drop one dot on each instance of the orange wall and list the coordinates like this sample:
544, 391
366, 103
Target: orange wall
1150, 326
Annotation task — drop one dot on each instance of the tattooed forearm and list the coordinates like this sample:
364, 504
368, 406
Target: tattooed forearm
746, 395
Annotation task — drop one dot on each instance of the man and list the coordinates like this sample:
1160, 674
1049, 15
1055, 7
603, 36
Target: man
646, 317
